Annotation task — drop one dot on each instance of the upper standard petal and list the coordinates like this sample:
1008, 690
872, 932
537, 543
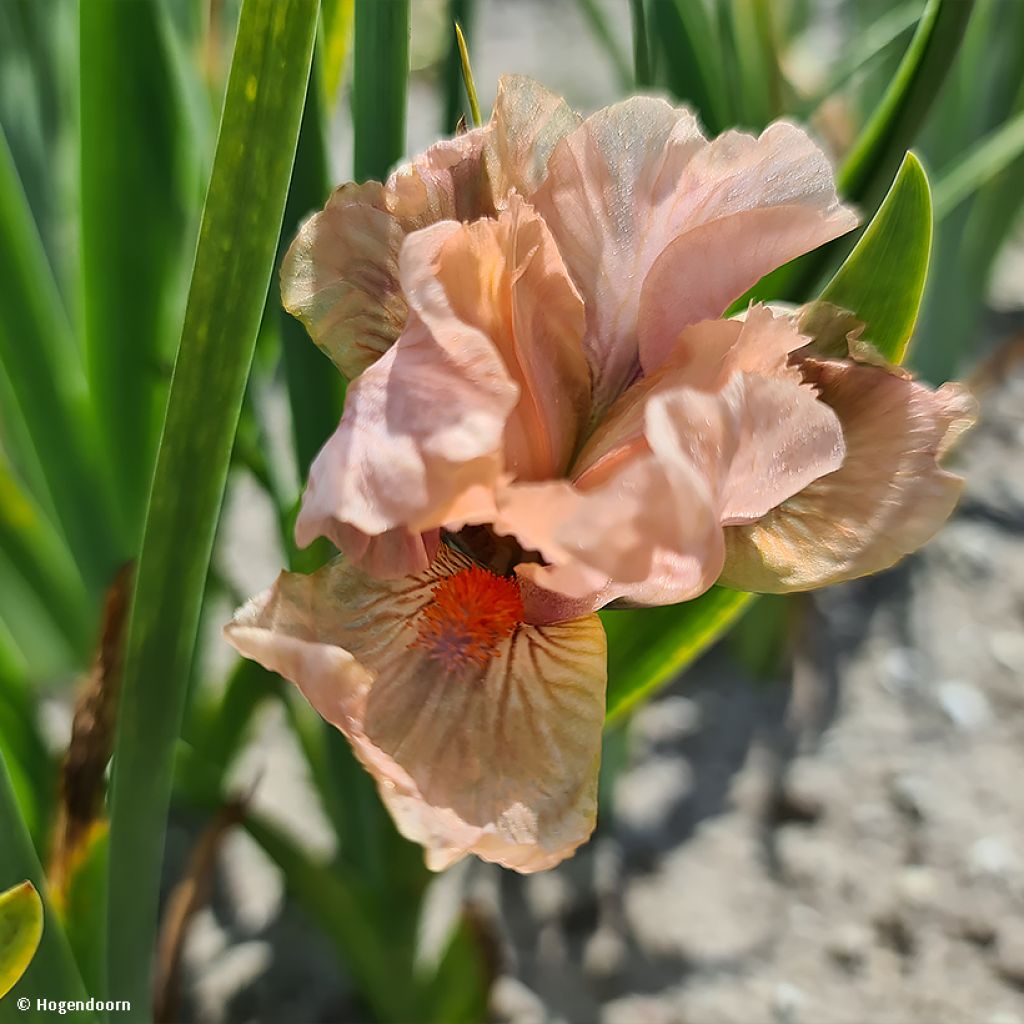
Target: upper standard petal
661, 228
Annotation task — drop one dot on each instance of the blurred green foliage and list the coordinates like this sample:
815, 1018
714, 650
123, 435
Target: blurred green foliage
125, 369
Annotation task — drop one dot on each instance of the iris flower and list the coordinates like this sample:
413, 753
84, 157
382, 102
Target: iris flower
548, 413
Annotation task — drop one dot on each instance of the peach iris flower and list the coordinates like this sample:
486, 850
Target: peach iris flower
547, 414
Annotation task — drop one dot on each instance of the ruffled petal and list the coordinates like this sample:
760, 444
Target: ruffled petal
489, 379
340, 274
889, 497
610, 540
661, 229
498, 759
528, 121
340, 277
704, 357
506, 279
422, 431
756, 442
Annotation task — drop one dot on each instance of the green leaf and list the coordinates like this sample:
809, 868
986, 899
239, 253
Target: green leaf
234, 259
864, 48
759, 77
40, 359
643, 76
380, 81
649, 647
456, 99
337, 18
83, 903
132, 230
41, 558
892, 128
21, 928
689, 58
882, 280
979, 165
316, 390
52, 972
31, 769
875, 156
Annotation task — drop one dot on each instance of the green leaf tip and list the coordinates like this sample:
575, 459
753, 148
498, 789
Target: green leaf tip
467, 77
21, 928
882, 280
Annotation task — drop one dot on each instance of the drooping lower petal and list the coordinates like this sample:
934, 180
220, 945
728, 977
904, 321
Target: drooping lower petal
483, 733
888, 498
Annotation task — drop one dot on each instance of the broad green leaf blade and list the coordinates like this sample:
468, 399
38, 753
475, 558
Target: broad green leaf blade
861, 51
879, 148
83, 903
52, 972
44, 563
649, 647
875, 156
643, 77
337, 18
985, 161
689, 58
31, 769
380, 81
21, 928
40, 359
882, 280
316, 390
132, 231
241, 221
760, 83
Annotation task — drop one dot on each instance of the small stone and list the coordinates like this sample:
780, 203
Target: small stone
786, 1002
604, 953
639, 1010
903, 668
648, 793
910, 796
548, 895
1008, 649
992, 857
965, 705
513, 1002
667, 720
977, 927
1009, 960
918, 886
850, 945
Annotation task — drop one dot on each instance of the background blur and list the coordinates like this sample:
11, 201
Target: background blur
820, 821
